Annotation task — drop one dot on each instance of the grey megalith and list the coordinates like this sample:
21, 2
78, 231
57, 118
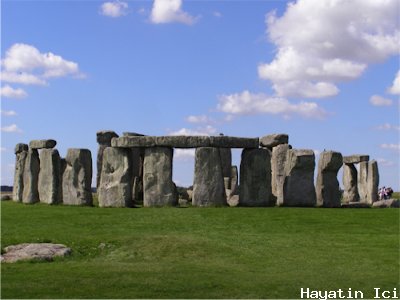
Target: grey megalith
104, 140
50, 177
21, 152
31, 177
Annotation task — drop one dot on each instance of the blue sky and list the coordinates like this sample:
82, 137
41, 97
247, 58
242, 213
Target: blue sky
325, 72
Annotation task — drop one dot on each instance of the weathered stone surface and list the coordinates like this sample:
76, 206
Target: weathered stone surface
42, 144
208, 187
128, 133
158, 187
278, 161
327, 187
355, 159
36, 251
362, 181
233, 200
31, 177
116, 178
226, 161
134, 141
21, 152
350, 193
272, 140
184, 141
104, 139
255, 178
393, 203
234, 180
77, 178
372, 182
50, 177
298, 187
233, 142
20, 147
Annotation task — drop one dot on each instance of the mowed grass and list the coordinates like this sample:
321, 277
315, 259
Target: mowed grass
201, 252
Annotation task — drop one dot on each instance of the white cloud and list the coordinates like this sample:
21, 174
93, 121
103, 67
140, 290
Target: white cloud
184, 154
384, 162
9, 92
395, 147
247, 103
204, 131
170, 11
3, 149
114, 9
388, 126
8, 113
377, 100
198, 119
25, 64
395, 88
217, 14
11, 128
322, 43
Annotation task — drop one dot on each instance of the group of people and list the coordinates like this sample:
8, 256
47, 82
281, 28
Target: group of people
385, 193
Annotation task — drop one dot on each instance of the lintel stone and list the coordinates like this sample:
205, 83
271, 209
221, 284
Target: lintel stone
355, 158
42, 144
273, 140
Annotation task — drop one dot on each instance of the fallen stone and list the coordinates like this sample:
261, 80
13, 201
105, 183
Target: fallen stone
20, 147
350, 193
208, 187
272, 140
278, 161
298, 187
158, 187
50, 177
327, 187
372, 182
355, 159
36, 251
355, 205
21, 152
393, 203
115, 188
255, 178
42, 144
77, 178
31, 177
104, 140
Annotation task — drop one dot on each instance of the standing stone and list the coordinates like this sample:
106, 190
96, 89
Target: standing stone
158, 187
31, 177
208, 185
350, 193
21, 152
104, 140
362, 181
234, 180
327, 188
137, 160
255, 178
278, 161
298, 187
116, 178
50, 177
372, 182
226, 161
77, 178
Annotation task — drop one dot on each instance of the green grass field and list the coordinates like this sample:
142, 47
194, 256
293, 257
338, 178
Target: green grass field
201, 252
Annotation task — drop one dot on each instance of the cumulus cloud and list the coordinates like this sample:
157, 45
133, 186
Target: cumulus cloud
322, 43
388, 126
247, 103
395, 147
204, 131
27, 65
395, 88
11, 128
170, 11
184, 154
9, 92
8, 113
199, 119
377, 100
114, 9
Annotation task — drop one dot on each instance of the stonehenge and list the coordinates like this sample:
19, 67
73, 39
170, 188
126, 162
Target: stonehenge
135, 169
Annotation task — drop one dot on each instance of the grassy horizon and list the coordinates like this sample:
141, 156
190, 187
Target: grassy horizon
201, 252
